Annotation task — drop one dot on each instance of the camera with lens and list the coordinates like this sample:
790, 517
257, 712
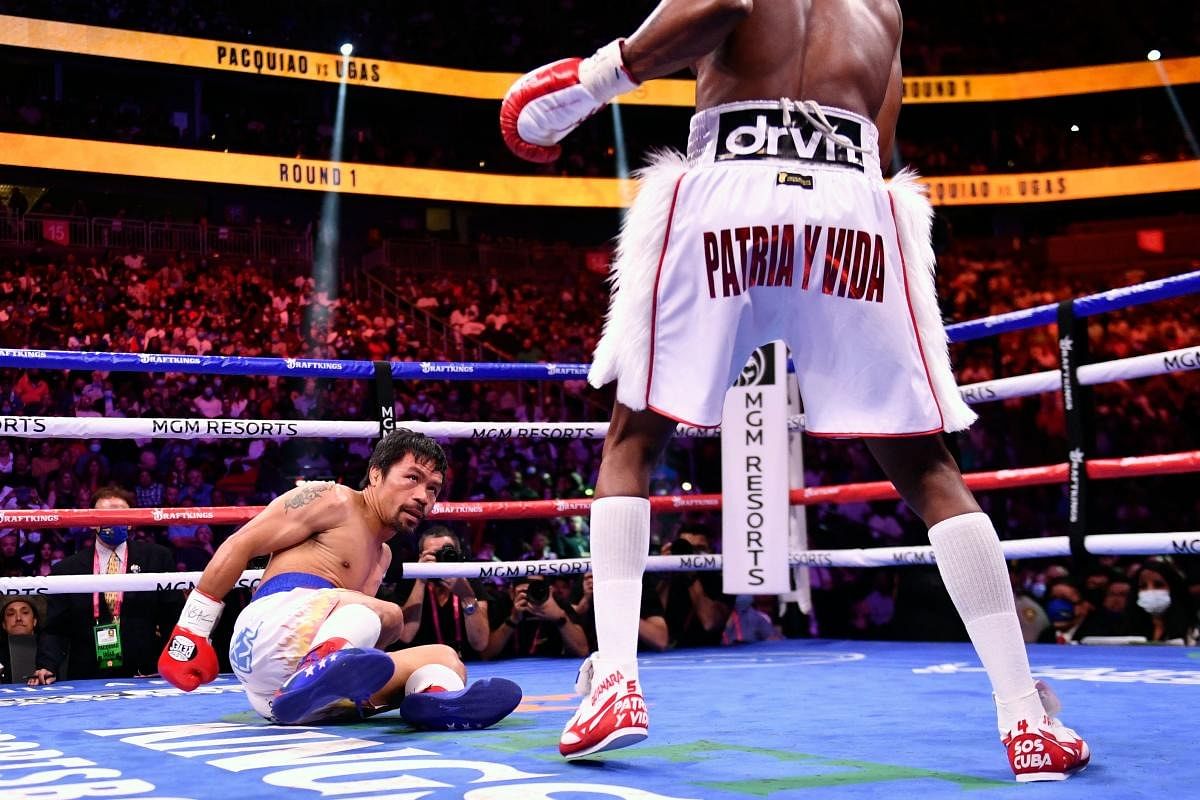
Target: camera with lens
448, 552
682, 547
538, 592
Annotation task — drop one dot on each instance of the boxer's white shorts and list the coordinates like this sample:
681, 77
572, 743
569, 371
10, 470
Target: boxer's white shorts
272, 635
719, 257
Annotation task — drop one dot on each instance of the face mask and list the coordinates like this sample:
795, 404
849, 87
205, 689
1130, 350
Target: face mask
1154, 601
95, 448
33, 537
113, 535
1060, 610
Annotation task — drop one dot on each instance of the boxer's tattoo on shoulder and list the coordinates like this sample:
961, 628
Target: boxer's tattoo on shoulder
307, 493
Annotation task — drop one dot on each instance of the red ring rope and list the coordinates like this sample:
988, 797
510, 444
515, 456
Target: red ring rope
1101, 469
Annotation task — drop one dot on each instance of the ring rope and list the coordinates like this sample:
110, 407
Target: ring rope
1100, 469
1086, 306
1168, 361
1111, 300
1101, 372
223, 428
1047, 547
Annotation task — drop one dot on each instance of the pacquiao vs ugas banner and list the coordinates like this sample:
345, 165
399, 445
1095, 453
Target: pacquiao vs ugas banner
754, 477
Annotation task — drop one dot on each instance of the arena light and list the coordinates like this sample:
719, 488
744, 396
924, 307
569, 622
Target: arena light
1184, 125
326, 255
1074, 129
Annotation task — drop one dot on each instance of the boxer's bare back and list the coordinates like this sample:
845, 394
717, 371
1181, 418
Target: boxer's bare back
841, 53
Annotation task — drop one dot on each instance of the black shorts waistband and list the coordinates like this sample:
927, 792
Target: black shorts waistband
755, 134
804, 134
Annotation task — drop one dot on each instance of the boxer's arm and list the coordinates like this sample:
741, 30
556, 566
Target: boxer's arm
889, 113
288, 520
545, 105
680, 32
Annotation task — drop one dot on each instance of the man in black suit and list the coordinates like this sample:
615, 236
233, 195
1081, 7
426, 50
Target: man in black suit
108, 634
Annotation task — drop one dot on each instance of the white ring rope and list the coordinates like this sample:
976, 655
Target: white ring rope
1149, 365
218, 428
1169, 361
1176, 543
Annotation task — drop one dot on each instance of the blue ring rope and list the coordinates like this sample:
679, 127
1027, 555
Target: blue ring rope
1089, 305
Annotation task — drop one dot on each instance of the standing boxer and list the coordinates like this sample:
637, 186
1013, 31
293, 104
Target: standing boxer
777, 225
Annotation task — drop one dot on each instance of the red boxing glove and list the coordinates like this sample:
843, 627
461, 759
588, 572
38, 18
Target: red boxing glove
189, 659
545, 105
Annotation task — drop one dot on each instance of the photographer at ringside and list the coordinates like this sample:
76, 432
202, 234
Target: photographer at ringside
696, 609
530, 620
445, 611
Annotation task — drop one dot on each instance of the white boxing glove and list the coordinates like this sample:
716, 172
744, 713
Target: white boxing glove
545, 105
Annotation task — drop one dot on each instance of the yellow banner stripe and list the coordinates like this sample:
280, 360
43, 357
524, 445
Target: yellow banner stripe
1051, 82
170, 163
249, 59
1075, 184
308, 65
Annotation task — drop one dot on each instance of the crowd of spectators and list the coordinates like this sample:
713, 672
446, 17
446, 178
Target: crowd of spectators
187, 306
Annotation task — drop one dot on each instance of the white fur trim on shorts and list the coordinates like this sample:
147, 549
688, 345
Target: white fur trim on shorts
624, 348
914, 225
625, 351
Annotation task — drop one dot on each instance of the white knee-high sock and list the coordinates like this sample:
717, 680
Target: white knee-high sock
620, 543
356, 625
972, 565
433, 678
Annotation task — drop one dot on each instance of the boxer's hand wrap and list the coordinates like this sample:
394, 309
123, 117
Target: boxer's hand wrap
604, 74
545, 105
189, 659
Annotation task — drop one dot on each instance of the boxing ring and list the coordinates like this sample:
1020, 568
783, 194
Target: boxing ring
779, 720
791, 719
